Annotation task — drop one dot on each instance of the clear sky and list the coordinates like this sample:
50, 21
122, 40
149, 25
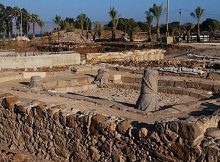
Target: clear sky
98, 9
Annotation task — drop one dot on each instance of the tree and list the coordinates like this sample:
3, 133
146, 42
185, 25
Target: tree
41, 24
114, 16
132, 27
197, 14
97, 30
210, 25
16, 14
2, 21
157, 11
34, 18
188, 27
9, 21
57, 20
81, 19
88, 24
150, 19
26, 19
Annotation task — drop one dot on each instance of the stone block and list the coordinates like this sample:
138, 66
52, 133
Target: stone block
115, 78
74, 82
126, 79
181, 84
194, 94
214, 76
52, 84
207, 86
60, 90
63, 83
83, 81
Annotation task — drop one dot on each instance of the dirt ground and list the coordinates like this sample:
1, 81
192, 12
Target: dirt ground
129, 96
182, 49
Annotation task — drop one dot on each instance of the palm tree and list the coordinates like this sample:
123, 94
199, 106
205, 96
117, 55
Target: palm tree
27, 17
157, 11
97, 30
188, 27
150, 19
9, 21
57, 20
81, 18
34, 18
115, 17
41, 24
197, 14
2, 21
16, 14
88, 24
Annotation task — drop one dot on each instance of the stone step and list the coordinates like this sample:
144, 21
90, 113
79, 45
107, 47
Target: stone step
68, 83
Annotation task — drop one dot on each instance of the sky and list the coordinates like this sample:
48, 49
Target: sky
97, 10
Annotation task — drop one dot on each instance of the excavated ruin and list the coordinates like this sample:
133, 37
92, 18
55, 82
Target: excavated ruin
64, 116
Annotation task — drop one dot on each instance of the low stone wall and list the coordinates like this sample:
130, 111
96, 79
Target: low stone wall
60, 135
136, 55
39, 61
204, 85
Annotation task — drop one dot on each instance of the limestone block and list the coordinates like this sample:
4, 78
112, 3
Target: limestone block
60, 90
63, 83
115, 78
74, 82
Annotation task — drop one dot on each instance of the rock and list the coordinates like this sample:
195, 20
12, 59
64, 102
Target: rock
124, 126
71, 121
19, 157
214, 134
172, 136
73, 70
97, 122
35, 82
213, 151
191, 131
111, 127
62, 152
143, 132
155, 136
9, 102
95, 153
181, 151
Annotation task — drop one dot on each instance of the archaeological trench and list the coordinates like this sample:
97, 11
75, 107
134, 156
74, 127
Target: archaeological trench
52, 111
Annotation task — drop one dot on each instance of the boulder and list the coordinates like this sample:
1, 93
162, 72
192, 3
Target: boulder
97, 123
143, 132
71, 121
124, 126
9, 102
95, 153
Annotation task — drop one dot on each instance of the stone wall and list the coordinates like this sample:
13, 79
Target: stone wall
58, 134
136, 55
39, 61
